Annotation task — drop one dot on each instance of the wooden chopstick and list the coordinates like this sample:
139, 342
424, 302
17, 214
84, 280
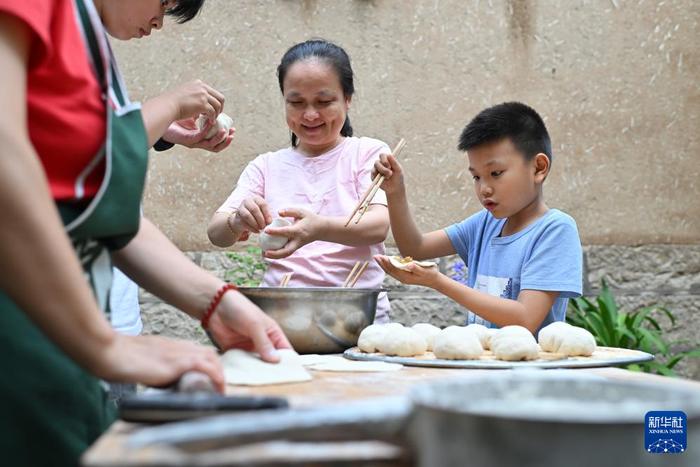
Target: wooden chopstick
363, 205
285, 279
359, 272
352, 271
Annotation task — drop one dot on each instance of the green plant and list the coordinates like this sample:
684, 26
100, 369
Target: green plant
638, 329
249, 267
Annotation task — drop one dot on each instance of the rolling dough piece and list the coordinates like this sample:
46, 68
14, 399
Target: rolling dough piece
372, 336
403, 262
334, 363
222, 121
428, 331
513, 348
482, 332
457, 343
247, 369
403, 342
561, 337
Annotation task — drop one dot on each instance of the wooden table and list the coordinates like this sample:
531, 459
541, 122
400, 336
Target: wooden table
327, 389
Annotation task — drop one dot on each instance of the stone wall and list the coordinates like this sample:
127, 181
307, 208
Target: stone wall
638, 276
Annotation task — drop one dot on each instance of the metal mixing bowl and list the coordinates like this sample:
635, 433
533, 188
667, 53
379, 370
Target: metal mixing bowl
318, 319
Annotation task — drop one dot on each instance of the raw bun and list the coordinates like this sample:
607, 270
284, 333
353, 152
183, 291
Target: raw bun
403, 342
222, 121
457, 343
572, 341
482, 332
403, 262
274, 242
513, 348
372, 336
514, 343
428, 331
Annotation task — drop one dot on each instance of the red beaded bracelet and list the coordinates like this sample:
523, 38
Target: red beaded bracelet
215, 302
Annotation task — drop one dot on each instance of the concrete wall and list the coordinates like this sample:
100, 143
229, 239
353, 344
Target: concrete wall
615, 80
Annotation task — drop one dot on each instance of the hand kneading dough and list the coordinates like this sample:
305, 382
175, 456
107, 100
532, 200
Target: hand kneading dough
222, 121
482, 332
372, 336
561, 337
247, 369
457, 343
403, 342
428, 331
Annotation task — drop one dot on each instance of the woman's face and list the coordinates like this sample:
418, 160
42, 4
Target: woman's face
315, 105
132, 19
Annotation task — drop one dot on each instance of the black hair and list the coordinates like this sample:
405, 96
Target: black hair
332, 55
513, 120
185, 10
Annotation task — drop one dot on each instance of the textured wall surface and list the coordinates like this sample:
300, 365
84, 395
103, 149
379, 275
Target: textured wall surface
615, 80
638, 276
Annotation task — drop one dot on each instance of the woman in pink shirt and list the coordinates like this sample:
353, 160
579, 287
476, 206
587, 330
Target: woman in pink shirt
316, 182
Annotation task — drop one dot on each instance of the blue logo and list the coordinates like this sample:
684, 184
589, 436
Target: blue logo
665, 432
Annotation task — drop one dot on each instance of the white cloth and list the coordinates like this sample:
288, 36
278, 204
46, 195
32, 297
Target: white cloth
125, 312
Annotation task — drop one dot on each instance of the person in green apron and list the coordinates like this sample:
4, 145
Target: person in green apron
57, 250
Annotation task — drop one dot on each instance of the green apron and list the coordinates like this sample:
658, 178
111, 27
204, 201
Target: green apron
52, 410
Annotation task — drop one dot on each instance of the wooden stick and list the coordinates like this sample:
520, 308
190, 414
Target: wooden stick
285, 279
352, 271
359, 272
363, 205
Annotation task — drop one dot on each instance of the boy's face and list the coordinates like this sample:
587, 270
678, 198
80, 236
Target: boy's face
505, 183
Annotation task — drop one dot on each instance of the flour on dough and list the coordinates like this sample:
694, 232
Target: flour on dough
247, 369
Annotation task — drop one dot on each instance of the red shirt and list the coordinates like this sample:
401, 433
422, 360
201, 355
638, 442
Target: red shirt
66, 115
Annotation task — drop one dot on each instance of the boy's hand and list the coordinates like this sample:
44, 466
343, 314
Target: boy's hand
413, 274
388, 166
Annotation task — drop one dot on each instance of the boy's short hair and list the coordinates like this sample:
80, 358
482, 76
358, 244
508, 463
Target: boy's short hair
513, 120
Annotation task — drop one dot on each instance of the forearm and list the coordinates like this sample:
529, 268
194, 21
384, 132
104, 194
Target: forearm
372, 228
221, 232
499, 311
408, 238
158, 266
158, 113
40, 271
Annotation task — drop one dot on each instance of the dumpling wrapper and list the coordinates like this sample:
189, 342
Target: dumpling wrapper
247, 369
397, 262
339, 364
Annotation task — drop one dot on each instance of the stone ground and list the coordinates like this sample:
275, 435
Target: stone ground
667, 275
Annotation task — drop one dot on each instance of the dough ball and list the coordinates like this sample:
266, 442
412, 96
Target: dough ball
403, 342
428, 331
372, 336
510, 331
561, 337
514, 348
222, 121
550, 336
482, 332
274, 242
457, 343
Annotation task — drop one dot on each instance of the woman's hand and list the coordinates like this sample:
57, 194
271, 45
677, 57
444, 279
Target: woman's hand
157, 361
195, 98
308, 227
253, 215
186, 133
239, 323
413, 274
388, 166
